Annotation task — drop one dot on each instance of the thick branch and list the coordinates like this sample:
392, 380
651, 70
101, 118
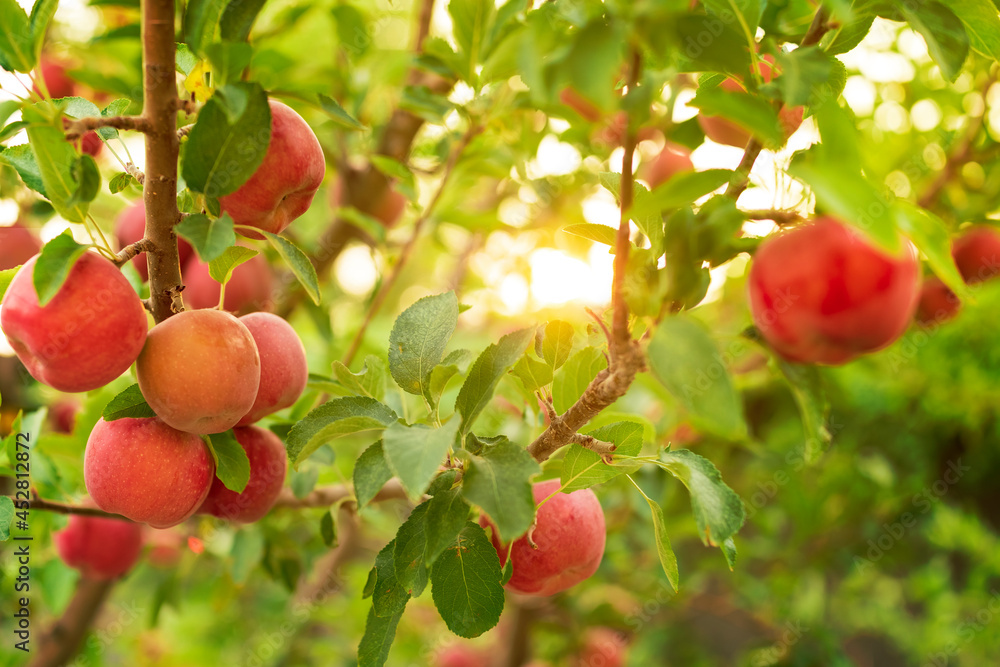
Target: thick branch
160, 106
64, 638
79, 127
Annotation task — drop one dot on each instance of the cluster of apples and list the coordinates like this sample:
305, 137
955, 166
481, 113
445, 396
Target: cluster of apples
201, 371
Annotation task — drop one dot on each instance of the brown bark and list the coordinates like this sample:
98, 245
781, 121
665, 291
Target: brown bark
64, 638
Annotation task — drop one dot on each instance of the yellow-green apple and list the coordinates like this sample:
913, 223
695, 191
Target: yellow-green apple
248, 289
199, 371
99, 547
147, 471
673, 159
283, 368
282, 187
86, 336
977, 254
131, 227
268, 464
564, 547
724, 131
822, 293
18, 244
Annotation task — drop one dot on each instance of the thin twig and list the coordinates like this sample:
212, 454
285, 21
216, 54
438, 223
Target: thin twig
132, 250
80, 126
37, 503
779, 217
329, 495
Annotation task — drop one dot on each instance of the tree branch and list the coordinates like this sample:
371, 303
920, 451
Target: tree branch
160, 104
779, 217
328, 495
131, 250
56, 507
64, 638
80, 126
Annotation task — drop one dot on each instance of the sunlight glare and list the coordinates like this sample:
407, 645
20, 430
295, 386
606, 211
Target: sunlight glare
356, 270
557, 278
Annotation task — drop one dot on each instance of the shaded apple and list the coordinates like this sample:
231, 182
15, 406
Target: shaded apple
824, 294
147, 471
568, 536
18, 244
67, 344
283, 368
166, 546
937, 303
977, 254
130, 226
388, 210
99, 547
460, 655
282, 187
673, 159
199, 371
268, 464
249, 288
91, 144
56, 80
62, 415
602, 647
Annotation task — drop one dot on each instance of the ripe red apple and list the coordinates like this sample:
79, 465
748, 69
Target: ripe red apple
199, 371
86, 336
724, 131
568, 535
249, 289
147, 471
283, 368
56, 80
387, 210
18, 244
91, 144
602, 647
673, 159
62, 415
460, 655
937, 303
131, 227
283, 186
100, 548
977, 254
823, 294
268, 464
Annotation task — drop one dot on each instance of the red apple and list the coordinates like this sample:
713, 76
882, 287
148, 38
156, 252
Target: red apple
283, 186
86, 336
147, 471
460, 655
100, 548
673, 159
18, 244
568, 538
723, 131
937, 303
823, 294
387, 210
268, 464
56, 80
131, 227
165, 546
91, 144
602, 647
283, 368
249, 289
62, 415
199, 371
977, 254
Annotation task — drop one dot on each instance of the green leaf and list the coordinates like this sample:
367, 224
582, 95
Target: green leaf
598, 233
369, 382
807, 389
232, 466
465, 583
79, 107
228, 141
729, 551
6, 276
572, 379
418, 339
6, 517
447, 513
850, 34
389, 596
743, 14
298, 262
17, 47
186, 60
201, 20
408, 553
210, 238
328, 529
377, 640
557, 343
665, 552
41, 15
748, 111
120, 181
681, 190
471, 19
337, 113
334, 419
532, 373
54, 263
8, 108
982, 24
238, 18
371, 472
414, 453
405, 181
583, 468
229, 60
804, 73
55, 158
441, 374
683, 356
22, 159
944, 33
720, 53
221, 268
87, 177
486, 372
499, 482
716, 507
930, 234
129, 404
247, 551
